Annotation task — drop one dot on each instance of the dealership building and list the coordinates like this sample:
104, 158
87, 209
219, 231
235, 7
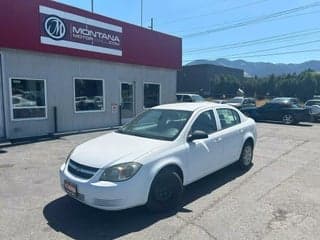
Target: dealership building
65, 69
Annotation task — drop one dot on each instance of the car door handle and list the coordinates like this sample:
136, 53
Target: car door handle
219, 139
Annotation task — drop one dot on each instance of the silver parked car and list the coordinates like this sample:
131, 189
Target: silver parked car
189, 97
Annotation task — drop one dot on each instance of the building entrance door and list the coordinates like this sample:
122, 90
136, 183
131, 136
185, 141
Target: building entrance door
2, 118
127, 101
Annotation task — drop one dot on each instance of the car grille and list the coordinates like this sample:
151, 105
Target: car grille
80, 170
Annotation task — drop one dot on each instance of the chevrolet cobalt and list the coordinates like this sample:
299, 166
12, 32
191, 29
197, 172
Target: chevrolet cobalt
150, 160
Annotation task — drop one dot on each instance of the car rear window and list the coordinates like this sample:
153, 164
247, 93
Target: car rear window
228, 117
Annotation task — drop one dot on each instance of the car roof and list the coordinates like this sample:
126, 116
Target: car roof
284, 98
188, 106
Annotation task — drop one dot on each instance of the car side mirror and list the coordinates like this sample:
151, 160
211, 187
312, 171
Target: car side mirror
197, 135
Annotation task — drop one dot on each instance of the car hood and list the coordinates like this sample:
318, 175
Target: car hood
114, 148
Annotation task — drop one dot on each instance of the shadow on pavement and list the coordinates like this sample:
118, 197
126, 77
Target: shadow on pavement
79, 221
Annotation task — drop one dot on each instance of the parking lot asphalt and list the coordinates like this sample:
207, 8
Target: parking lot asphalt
278, 198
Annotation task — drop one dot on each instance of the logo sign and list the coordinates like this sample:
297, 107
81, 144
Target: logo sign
69, 30
55, 27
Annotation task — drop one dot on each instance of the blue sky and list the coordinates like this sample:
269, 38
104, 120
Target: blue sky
279, 31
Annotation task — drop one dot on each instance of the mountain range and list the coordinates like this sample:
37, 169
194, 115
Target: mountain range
262, 69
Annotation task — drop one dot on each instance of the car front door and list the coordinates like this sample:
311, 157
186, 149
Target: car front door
231, 135
267, 112
203, 154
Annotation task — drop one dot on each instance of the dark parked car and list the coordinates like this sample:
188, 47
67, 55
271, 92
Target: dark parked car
314, 106
241, 102
288, 113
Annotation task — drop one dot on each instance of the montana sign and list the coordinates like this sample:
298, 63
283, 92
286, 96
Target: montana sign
69, 30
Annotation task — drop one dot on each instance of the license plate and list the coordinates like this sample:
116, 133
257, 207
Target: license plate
70, 188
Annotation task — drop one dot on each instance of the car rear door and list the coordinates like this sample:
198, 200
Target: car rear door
231, 136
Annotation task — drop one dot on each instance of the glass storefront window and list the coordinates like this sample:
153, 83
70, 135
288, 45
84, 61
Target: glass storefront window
151, 95
28, 98
88, 95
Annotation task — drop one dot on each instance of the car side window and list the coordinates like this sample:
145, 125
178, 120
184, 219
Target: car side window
228, 117
205, 122
187, 98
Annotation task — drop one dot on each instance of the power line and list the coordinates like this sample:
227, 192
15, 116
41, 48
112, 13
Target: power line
245, 19
275, 38
265, 55
199, 7
271, 49
282, 53
253, 20
213, 12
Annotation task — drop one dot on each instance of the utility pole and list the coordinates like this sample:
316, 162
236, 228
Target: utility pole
141, 11
92, 6
151, 24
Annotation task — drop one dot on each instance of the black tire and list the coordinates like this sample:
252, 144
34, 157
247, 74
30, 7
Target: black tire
245, 161
166, 192
288, 119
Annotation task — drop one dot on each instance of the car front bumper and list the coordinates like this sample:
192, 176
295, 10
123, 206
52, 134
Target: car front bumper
108, 195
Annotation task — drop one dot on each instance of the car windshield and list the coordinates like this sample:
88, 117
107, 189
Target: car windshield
160, 124
235, 100
197, 98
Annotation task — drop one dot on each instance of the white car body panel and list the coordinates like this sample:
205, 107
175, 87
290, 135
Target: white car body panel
195, 159
104, 150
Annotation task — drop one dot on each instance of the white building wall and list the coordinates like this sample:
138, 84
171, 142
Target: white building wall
59, 72
2, 119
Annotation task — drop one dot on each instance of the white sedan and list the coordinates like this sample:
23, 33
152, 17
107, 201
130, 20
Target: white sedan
151, 159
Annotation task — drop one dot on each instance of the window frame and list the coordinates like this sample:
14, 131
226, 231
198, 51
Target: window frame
233, 111
11, 98
74, 95
160, 99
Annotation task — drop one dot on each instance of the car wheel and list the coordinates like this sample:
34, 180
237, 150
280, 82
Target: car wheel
245, 161
166, 192
288, 119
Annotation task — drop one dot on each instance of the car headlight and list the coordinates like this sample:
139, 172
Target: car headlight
120, 172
